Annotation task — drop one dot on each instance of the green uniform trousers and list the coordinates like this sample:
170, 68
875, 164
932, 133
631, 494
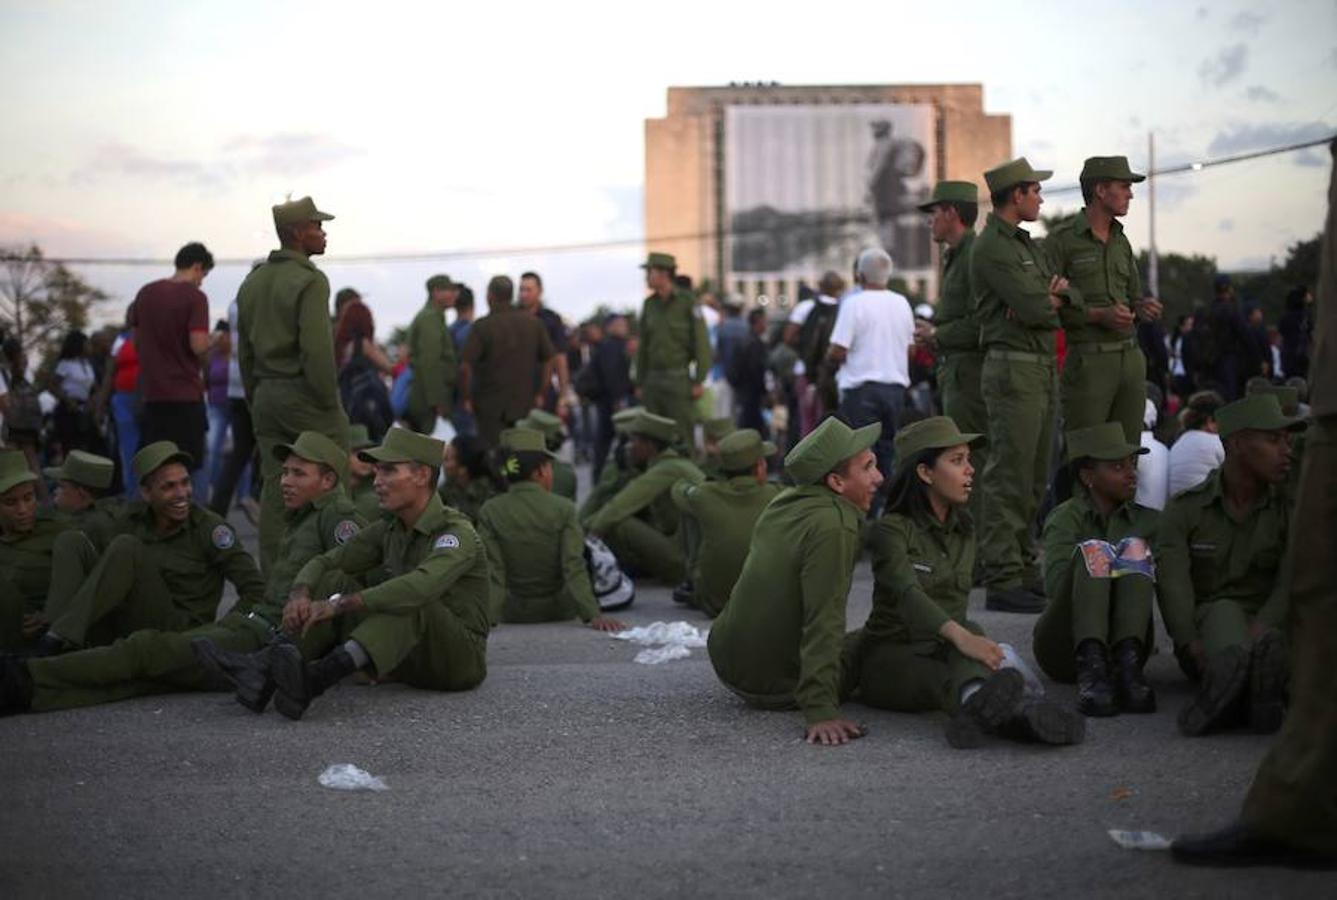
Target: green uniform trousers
1105, 383
1222, 624
669, 394
916, 676
1019, 393
640, 546
427, 647
1107, 609
963, 402
282, 410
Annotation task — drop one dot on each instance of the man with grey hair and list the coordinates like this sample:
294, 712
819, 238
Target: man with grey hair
871, 343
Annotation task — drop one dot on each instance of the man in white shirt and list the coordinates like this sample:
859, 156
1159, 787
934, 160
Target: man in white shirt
871, 342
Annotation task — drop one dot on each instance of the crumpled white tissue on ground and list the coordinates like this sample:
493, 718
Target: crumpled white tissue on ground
1139, 840
348, 777
665, 641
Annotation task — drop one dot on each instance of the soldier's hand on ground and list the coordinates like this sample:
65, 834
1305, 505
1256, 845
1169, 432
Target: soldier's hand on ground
1151, 309
34, 623
606, 624
834, 732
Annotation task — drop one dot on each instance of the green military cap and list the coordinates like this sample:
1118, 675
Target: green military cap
317, 448
934, 433
1106, 441
826, 446
359, 438
14, 470
660, 261
84, 468
951, 192
402, 445
1017, 171
719, 429
650, 425
1109, 168
156, 455
525, 440
742, 449
623, 416
1260, 411
543, 421
439, 283
1288, 398
294, 212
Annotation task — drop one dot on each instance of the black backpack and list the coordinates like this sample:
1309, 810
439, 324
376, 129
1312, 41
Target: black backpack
814, 335
364, 395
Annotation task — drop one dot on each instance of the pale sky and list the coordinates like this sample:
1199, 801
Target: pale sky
133, 127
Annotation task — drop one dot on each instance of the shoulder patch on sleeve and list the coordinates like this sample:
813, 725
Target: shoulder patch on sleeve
446, 541
223, 537
345, 530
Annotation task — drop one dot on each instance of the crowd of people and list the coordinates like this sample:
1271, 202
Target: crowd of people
413, 498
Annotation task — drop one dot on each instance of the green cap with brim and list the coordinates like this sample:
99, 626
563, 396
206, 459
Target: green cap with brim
14, 470
1013, 173
295, 212
522, 439
660, 261
1105, 442
1288, 398
934, 433
741, 449
649, 425
87, 469
155, 456
719, 429
317, 448
1109, 168
543, 421
439, 283
623, 417
402, 445
826, 446
951, 192
1260, 412
359, 438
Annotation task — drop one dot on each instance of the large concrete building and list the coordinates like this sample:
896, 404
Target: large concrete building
760, 186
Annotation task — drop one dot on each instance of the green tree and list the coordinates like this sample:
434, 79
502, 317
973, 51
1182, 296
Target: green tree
1185, 282
40, 300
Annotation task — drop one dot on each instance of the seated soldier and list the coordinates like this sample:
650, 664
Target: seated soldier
1094, 619
362, 475
535, 546
27, 541
423, 618
725, 511
318, 517
1221, 586
82, 482
712, 432
554, 435
164, 570
779, 642
919, 651
616, 476
469, 480
1289, 397
640, 523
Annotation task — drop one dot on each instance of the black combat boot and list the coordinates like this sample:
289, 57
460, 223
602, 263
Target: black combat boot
247, 673
993, 703
1217, 701
15, 685
1044, 722
1095, 693
300, 682
1267, 683
685, 594
1131, 689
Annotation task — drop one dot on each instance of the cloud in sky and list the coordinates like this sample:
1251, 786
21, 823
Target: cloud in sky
1244, 137
1259, 93
1227, 65
1248, 22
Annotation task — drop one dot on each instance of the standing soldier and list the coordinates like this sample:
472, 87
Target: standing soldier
1017, 299
1105, 376
672, 337
286, 353
431, 357
27, 541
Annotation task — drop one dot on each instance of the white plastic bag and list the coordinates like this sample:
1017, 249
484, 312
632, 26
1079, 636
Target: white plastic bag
348, 777
666, 641
1139, 840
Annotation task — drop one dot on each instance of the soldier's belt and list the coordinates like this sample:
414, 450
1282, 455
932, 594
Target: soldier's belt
943, 356
1018, 356
1102, 346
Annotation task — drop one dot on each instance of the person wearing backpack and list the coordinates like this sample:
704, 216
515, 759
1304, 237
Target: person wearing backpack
808, 331
362, 366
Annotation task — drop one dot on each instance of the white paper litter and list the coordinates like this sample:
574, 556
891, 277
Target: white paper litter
1139, 840
348, 777
665, 641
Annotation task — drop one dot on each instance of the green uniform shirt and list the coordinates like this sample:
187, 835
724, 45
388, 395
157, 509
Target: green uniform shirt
467, 498
364, 498
564, 479
432, 358
611, 480
1077, 520
672, 334
25, 560
1203, 555
439, 560
647, 495
329, 522
1010, 273
783, 628
283, 327
102, 521
922, 572
726, 512
956, 328
536, 556
1104, 272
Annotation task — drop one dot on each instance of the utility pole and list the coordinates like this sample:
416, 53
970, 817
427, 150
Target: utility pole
1153, 269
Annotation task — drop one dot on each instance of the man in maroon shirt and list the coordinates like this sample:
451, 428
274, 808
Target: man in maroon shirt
170, 318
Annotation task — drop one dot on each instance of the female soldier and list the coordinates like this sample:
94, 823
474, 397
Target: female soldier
1099, 598
919, 651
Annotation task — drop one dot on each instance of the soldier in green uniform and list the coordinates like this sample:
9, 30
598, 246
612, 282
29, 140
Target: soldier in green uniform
318, 517
1105, 374
779, 642
919, 651
82, 481
431, 357
712, 432
1289, 398
1221, 587
1017, 300
673, 356
1092, 621
616, 476
718, 517
640, 523
470, 478
27, 540
286, 353
554, 434
535, 546
361, 486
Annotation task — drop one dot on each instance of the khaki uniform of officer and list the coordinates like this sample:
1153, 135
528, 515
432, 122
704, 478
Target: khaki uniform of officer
554, 433
286, 353
25, 559
673, 340
779, 642
98, 522
535, 548
432, 359
363, 493
426, 619
1105, 374
1010, 275
718, 518
615, 476
640, 523
506, 350
152, 661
